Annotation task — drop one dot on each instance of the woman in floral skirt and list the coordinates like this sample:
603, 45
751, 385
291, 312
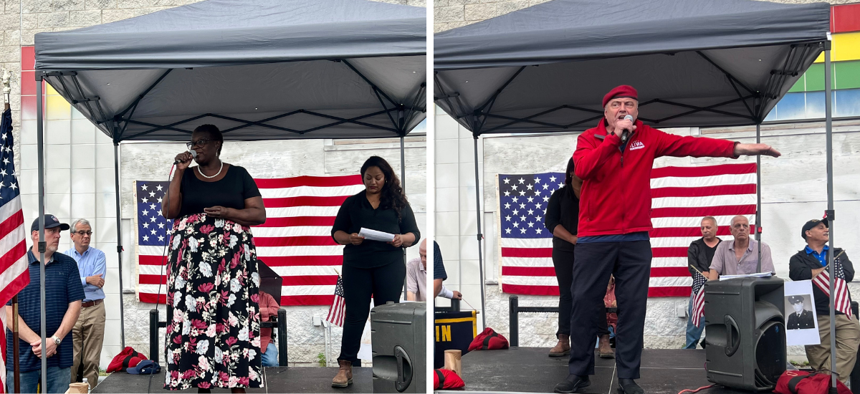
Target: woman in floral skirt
213, 331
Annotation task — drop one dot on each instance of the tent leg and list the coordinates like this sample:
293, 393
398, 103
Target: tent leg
119, 243
758, 196
40, 129
403, 185
480, 235
830, 208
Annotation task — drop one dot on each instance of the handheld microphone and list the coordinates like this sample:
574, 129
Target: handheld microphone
194, 155
625, 134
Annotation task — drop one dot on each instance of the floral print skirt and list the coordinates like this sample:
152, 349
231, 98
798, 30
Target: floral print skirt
213, 330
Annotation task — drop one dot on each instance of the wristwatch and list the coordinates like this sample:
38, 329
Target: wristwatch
57, 340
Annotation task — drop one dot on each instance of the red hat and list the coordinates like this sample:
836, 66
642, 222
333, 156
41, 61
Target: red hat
488, 340
127, 358
620, 91
446, 379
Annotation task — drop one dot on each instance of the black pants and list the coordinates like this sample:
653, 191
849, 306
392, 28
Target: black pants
630, 262
563, 261
384, 283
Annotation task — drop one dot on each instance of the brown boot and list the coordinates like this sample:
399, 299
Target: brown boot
605, 351
344, 375
562, 348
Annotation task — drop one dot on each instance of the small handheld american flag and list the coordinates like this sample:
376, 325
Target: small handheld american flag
842, 302
338, 306
699, 298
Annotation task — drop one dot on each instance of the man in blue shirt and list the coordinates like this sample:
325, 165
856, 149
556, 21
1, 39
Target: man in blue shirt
807, 264
88, 334
63, 295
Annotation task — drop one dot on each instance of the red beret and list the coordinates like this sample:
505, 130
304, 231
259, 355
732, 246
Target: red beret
620, 91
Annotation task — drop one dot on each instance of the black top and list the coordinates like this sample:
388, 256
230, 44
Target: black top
800, 267
563, 209
438, 265
699, 255
231, 191
355, 213
801, 321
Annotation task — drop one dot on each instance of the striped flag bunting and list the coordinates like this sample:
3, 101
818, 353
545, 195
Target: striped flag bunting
295, 241
337, 310
681, 197
14, 266
842, 301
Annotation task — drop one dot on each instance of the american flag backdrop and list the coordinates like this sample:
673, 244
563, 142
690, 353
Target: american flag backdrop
681, 196
295, 241
14, 268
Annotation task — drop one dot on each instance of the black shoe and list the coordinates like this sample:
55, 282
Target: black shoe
572, 384
629, 386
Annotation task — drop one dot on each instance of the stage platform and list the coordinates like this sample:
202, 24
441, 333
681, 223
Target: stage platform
530, 370
278, 380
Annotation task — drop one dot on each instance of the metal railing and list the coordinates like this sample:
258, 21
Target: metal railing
516, 309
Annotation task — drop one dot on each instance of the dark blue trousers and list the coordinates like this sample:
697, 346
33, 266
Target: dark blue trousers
630, 262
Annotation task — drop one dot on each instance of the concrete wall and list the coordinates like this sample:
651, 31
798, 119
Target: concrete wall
80, 175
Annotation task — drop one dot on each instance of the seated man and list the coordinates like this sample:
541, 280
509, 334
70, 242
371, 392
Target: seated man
809, 263
268, 308
801, 318
740, 256
416, 278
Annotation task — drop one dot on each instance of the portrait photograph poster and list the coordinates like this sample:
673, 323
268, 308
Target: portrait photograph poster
798, 335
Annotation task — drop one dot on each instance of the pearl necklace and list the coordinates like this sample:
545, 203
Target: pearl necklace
213, 176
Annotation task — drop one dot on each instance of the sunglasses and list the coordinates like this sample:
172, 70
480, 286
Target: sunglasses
82, 232
201, 143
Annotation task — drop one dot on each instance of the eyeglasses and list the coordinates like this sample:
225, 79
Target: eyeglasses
201, 142
82, 232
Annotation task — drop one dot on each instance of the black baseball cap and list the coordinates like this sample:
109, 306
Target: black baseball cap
811, 225
51, 221
795, 299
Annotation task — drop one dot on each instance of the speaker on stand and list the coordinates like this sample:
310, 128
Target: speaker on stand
745, 321
398, 337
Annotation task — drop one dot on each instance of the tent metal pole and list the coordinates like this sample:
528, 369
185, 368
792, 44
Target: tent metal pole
758, 196
403, 185
40, 129
119, 240
480, 235
830, 209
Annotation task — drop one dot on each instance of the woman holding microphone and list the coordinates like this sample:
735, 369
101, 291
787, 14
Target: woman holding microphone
371, 267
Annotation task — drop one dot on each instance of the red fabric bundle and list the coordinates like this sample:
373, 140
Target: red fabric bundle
802, 382
488, 340
446, 379
127, 358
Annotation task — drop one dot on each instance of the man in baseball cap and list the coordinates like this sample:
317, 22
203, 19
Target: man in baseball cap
614, 160
63, 295
807, 264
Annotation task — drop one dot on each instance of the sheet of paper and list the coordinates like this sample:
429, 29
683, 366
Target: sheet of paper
801, 320
374, 235
757, 275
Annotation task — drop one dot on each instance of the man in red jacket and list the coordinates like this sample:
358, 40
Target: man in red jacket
614, 161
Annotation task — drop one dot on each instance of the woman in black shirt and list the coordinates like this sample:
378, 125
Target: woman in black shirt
371, 267
213, 330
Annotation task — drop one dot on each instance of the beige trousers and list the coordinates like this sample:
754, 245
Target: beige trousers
847, 341
88, 335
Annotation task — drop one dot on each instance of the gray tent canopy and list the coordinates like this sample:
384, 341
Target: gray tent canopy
257, 69
694, 63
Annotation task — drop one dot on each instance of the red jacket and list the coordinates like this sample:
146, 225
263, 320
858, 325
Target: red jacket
616, 188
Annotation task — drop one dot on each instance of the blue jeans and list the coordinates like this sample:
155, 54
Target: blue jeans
58, 380
693, 332
270, 357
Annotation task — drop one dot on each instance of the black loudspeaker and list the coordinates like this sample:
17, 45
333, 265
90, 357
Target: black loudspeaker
398, 338
745, 324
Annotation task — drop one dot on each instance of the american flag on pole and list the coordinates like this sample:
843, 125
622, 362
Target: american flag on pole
699, 299
295, 241
337, 310
681, 197
842, 302
14, 267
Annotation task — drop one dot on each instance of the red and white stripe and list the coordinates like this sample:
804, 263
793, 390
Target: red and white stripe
681, 197
295, 241
842, 301
14, 268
